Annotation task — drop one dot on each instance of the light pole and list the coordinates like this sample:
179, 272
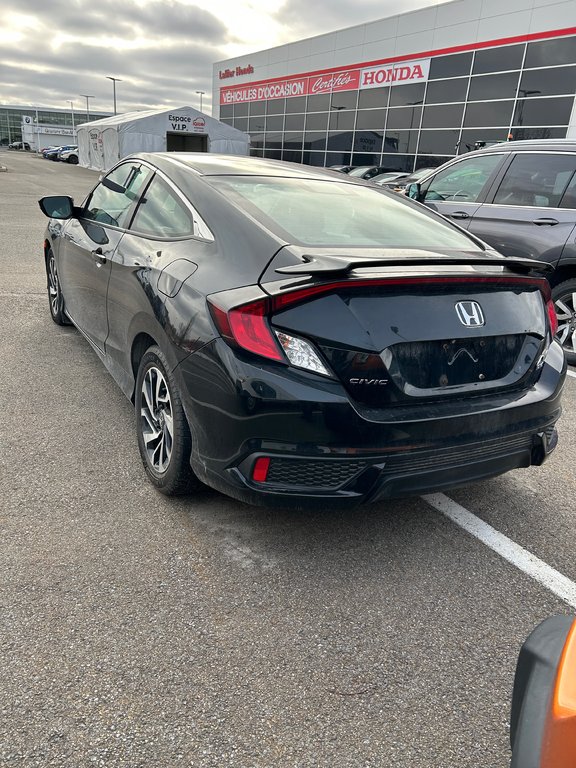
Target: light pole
114, 81
72, 110
85, 96
201, 94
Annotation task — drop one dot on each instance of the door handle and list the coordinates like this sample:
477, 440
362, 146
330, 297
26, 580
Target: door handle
99, 257
459, 215
543, 222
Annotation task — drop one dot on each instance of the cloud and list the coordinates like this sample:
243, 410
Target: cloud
162, 51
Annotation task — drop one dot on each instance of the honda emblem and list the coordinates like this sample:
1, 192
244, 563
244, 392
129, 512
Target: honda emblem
470, 314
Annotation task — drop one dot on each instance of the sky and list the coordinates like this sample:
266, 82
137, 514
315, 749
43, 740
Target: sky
52, 52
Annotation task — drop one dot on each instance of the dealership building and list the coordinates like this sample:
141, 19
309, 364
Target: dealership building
41, 125
411, 90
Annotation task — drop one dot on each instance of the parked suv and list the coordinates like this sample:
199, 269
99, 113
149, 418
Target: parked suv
521, 198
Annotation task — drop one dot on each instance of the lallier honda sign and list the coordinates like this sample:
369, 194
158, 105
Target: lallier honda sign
347, 80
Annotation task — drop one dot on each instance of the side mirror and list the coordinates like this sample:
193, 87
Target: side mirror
543, 717
413, 191
57, 207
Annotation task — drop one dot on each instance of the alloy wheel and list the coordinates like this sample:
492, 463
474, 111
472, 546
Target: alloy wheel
157, 420
53, 286
566, 313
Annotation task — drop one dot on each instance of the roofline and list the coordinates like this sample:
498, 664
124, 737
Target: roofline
532, 37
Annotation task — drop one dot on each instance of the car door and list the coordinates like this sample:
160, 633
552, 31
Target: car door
458, 190
157, 254
88, 245
528, 213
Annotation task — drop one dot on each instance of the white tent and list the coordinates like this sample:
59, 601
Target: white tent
102, 143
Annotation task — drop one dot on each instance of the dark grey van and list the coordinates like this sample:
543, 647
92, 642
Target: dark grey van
520, 197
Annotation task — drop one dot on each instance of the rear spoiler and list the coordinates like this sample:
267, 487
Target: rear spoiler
333, 264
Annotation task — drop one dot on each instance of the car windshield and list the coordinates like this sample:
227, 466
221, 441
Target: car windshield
330, 213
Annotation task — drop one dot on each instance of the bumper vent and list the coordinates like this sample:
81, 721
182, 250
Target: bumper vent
328, 473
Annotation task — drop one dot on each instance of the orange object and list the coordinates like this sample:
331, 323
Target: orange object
559, 743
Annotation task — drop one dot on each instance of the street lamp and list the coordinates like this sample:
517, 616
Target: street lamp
201, 94
72, 110
85, 96
114, 81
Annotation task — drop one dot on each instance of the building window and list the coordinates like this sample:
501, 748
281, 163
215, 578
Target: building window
371, 118
450, 66
294, 123
343, 119
406, 95
315, 141
320, 103
548, 82
296, 104
401, 141
439, 142
498, 59
257, 108
368, 141
443, 116
543, 111
442, 91
550, 53
275, 107
487, 114
488, 87
274, 122
317, 121
372, 98
256, 124
340, 141
404, 117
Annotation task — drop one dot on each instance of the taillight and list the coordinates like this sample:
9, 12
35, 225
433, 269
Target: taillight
552, 316
248, 327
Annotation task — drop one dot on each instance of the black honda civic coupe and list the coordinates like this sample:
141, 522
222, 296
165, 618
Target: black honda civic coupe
293, 337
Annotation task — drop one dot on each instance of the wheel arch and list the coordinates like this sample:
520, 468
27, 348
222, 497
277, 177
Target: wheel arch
565, 271
141, 342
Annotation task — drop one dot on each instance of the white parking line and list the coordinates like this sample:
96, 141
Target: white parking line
571, 373
515, 554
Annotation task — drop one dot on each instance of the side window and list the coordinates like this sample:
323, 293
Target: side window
161, 213
569, 198
536, 180
112, 199
462, 182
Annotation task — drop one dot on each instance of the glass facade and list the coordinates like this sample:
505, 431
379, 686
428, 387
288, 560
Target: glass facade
11, 119
518, 91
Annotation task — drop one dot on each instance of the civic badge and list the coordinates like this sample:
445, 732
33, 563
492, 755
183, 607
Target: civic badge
470, 314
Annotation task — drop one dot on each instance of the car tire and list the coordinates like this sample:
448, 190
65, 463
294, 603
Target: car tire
73, 160
164, 437
564, 297
55, 297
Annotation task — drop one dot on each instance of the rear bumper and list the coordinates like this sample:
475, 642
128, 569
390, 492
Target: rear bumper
324, 450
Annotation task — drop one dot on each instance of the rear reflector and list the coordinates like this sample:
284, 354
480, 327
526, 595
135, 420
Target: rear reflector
552, 317
260, 471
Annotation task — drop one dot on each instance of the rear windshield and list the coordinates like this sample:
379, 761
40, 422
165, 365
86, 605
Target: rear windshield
330, 213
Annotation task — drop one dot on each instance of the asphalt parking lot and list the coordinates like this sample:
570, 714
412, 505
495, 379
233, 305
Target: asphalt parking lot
147, 632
